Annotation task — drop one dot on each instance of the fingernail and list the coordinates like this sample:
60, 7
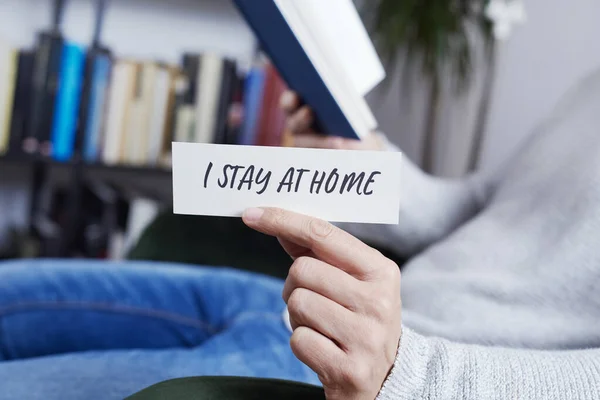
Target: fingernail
287, 100
253, 214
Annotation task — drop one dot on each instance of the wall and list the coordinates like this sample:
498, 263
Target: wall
153, 29
536, 66
400, 106
545, 58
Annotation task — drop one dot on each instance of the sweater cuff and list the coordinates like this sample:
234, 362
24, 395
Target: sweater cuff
407, 379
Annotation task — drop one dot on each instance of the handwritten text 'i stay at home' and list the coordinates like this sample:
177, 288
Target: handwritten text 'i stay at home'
251, 178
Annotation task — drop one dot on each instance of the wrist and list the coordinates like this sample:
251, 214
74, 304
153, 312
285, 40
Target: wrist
408, 374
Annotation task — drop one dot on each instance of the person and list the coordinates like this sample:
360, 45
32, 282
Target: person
500, 298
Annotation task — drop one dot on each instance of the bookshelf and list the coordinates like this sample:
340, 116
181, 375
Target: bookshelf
27, 160
246, 69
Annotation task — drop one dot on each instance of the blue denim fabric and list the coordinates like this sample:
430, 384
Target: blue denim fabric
96, 330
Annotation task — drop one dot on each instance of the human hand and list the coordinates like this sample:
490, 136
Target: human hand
300, 120
344, 303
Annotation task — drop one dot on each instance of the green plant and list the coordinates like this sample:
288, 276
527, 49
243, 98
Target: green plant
439, 38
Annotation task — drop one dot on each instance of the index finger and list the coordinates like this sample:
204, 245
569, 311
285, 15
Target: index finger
327, 242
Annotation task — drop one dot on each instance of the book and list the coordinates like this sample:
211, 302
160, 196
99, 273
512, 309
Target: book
227, 93
9, 58
47, 64
276, 134
186, 85
323, 52
272, 118
165, 155
210, 77
253, 95
158, 115
98, 65
96, 105
140, 109
185, 123
20, 112
235, 112
65, 116
122, 92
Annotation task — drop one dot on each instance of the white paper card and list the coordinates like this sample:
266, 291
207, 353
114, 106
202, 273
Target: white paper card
334, 185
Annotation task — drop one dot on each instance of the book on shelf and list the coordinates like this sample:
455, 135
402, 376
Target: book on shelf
272, 120
45, 82
324, 53
66, 104
9, 59
19, 117
98, 63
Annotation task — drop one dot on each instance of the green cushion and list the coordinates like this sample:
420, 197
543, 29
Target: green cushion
211, 241
229, 388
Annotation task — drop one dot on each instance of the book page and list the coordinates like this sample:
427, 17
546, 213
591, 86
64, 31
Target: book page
334, 74
337, 23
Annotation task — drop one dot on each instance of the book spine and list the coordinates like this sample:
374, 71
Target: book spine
185, 124
191, 65
20, 112
45, 84
129, 132
67, 103
268, 104
225, 100
235, 114
44, 132
208, 92
99, 89
252, 105
85, 111
141, 143
118, 88
178, 89
278, 117
165, 157
158, 115
7, 96
186, 87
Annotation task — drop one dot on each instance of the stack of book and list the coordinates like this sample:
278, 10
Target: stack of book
65, 102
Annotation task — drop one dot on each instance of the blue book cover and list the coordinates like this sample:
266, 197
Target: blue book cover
100, 77
279, 42
67, 102
253, 100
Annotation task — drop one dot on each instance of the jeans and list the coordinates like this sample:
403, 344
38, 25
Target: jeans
99, 330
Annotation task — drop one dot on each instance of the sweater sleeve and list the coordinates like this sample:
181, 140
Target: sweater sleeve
431, 368
430, 209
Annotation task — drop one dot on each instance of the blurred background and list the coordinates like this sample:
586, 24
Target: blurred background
93, 92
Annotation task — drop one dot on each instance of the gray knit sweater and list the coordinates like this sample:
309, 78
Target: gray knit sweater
501, 299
